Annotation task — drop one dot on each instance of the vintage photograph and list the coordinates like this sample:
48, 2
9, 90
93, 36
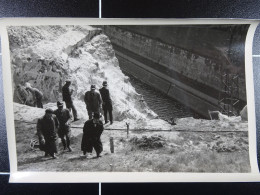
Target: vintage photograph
130, 98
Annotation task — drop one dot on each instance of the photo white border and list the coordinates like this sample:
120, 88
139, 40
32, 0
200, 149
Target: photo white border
72, 177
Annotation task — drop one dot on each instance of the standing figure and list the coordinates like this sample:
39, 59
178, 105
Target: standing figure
92, 131
23, 95
37, 95
47, 132
64, 118
66, 94
93, 101
107, 102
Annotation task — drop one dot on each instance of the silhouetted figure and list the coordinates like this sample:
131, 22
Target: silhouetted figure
93, 101
47, 132
107, 102
66, 94
64, 118
92, 131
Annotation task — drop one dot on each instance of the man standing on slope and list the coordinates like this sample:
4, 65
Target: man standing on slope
64, 118
92, 131
107, 103
47, 132
23, 95
93, 101
66, 94
37, 95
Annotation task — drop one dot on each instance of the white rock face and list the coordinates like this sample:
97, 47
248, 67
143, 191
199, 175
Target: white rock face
45, 56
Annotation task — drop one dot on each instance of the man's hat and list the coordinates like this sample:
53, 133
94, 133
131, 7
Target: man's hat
68, 81
104, 83
96, 115
93, 87
59, 104
49, 110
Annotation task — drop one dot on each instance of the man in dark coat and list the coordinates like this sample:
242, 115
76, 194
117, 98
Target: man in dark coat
93, 101
92, 131
64, 118
66, 94
37, 95
47, 132
107, 102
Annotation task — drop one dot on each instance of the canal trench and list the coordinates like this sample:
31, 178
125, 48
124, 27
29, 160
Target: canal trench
164, 106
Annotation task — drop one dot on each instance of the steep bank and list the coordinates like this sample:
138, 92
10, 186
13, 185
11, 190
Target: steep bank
46, 56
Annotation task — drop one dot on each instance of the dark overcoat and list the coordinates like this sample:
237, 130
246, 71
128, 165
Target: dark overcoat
63, 117
66, 93
107, 102
91, 137
47, 130
37, 95
93, 101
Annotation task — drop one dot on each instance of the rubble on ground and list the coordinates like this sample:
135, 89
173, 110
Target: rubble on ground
149, 142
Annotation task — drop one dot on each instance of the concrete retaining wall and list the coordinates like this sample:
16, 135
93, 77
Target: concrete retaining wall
190, 97
173, 63
188, 62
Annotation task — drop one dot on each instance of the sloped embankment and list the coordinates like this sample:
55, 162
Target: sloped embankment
46, 56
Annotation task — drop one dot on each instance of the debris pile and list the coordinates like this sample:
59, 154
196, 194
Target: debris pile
232, 146
149, 142
223, 147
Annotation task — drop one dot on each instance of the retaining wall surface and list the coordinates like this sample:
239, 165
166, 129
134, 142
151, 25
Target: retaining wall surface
195, 53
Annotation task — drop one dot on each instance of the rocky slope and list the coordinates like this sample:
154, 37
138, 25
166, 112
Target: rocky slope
46, 56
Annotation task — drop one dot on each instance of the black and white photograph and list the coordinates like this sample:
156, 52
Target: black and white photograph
130, 98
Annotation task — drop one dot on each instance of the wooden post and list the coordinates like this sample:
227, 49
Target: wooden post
111, 144
111, 167
127, 129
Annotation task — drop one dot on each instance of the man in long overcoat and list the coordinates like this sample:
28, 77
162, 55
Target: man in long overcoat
64, 118
47, 132
93, 101
66, 94
107, 102
92, 131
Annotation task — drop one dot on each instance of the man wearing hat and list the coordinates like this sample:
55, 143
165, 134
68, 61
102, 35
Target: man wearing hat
66, 94
92, 131
93, 101
107, 102
47, 132
64, 118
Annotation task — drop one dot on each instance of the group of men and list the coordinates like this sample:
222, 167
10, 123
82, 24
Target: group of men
52, 125
57, 123
95, 101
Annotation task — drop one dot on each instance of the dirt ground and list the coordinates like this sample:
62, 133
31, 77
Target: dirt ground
142, 151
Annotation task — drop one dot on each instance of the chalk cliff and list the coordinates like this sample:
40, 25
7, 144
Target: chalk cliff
46, 56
